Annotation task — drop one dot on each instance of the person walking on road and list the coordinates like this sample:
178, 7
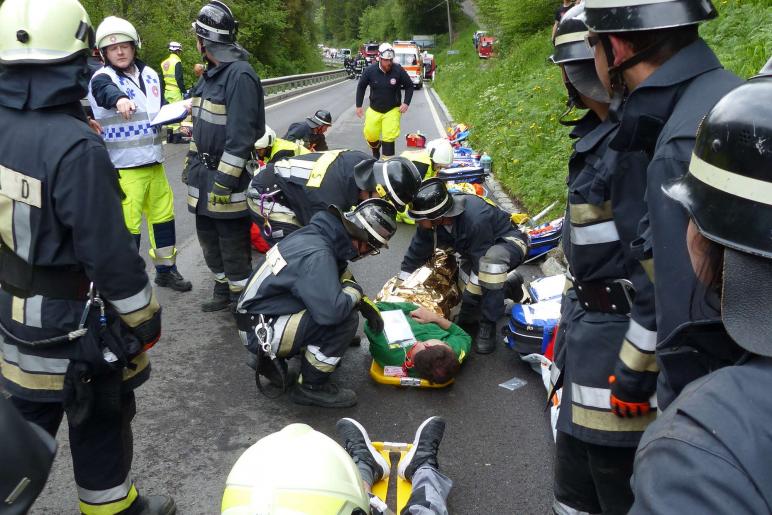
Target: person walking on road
654, 52
125, 95
487, 241
63, 241
310, 133
708, 452
386, 80
302, 300
228, 118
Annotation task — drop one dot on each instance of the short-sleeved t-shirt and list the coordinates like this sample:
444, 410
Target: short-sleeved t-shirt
456, 338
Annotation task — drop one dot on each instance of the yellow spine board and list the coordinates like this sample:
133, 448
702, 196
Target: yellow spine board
404, 488
376, 372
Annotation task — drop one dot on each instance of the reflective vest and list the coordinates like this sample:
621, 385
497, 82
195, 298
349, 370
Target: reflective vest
134, 142
279, 145
171, 89
423, 162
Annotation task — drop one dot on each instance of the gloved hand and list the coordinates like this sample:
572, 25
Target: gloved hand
220, 194
625, 403
352, 289
372, 314
148, 332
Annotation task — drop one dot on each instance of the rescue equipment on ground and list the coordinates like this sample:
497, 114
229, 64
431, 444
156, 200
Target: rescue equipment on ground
415, 140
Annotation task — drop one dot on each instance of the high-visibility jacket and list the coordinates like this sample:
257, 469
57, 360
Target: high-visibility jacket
422, 161
172, 88
282, 149
133, 142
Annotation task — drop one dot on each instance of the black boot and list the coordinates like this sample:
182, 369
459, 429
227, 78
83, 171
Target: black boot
325, 395
154, 505
172, 279
485, 342
376, 149
221, 298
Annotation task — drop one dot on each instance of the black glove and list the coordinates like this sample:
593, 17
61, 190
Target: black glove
149, 331
372, 314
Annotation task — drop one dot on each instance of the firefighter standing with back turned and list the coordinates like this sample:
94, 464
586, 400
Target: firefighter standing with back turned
125, 95
61, 228
228, 118
654, 52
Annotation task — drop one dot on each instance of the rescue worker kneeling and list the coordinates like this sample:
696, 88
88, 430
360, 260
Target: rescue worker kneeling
300, 299
285, 195
437, 156
270, 149
489, 244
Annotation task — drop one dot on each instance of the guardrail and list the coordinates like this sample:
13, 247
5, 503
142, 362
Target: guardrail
280, 88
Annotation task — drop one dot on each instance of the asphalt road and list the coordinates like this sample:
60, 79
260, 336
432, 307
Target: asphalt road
200, 410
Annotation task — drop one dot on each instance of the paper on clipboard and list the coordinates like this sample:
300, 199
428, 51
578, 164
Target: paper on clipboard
171, 113
396, 328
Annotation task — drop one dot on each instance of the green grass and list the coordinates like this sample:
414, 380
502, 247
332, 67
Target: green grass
513, 102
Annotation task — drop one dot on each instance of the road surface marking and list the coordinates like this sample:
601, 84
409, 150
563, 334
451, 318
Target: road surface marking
290, 99
437, 123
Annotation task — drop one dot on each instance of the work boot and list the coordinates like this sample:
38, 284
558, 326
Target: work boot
356, 341
357, 443
221, 298
173, 279
325, 395
154, 505
424, 450
485, 342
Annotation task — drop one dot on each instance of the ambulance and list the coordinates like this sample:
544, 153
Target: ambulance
408, 55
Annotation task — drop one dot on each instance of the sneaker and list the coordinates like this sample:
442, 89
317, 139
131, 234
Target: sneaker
172, 279
325, 395
357, 443
485, 342
154, 505
425, 446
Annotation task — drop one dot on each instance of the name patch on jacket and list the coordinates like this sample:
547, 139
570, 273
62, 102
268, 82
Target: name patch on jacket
275, 260
20, 187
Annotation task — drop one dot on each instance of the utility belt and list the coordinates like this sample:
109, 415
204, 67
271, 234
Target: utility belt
24, 280
614, 296
209, 160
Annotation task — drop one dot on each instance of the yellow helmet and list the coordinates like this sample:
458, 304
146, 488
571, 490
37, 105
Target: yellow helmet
115, 30
295, 471
43, 32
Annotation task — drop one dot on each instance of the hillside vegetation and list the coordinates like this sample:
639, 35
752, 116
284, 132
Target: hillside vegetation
513, 102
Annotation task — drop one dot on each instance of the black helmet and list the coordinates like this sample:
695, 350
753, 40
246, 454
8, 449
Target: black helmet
728, 194
215, 22
396, 179
320, 117
434, 201
373, 221
569, 38
631, 15
766, 70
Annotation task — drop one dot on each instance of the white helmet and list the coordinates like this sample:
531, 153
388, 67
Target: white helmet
386, 51
42, 32
267, 139
296, 470
115, 30
174, 46
440, 152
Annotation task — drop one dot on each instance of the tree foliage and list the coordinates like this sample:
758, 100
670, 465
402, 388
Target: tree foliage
279, 34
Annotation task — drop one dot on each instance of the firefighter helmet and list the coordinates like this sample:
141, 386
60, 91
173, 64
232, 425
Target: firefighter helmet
267, 139
373, 221
634, 15
115, 30
174, 46
440, 152
215, 22
728, 194
386, 51
433, 201
569, 38
396, 179
295, 470
321, 117
43, 32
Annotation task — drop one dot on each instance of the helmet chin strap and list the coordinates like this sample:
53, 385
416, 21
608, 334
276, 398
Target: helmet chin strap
574, 101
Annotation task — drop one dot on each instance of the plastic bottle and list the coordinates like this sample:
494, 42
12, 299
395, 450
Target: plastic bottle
486, 162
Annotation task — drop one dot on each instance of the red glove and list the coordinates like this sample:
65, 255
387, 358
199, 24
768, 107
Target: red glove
622, 405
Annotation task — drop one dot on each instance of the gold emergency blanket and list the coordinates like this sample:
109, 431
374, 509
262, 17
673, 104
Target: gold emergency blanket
433, 286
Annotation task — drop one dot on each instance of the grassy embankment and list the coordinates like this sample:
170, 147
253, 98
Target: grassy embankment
513, 101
